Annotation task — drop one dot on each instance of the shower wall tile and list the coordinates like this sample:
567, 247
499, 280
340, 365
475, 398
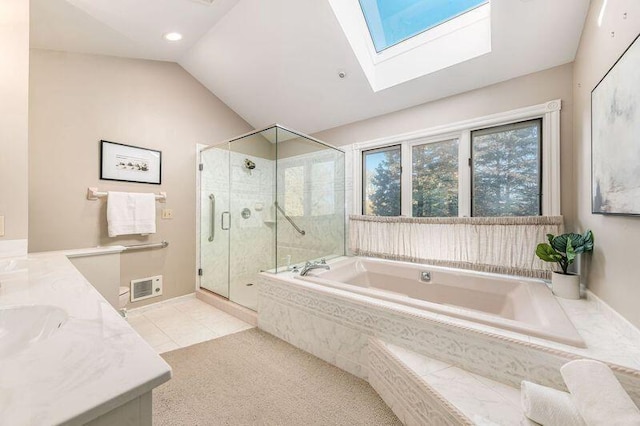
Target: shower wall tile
252, 240
249, 243
324, 174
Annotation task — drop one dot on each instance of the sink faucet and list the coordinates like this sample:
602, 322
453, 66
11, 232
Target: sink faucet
315, 265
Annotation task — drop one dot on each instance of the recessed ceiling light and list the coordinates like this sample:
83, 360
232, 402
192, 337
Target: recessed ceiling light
173, 36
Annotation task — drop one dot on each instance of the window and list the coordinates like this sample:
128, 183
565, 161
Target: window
294, 191
504, 164
392, 21
381, 181
506, 170
307, 184
323, 194
434, 179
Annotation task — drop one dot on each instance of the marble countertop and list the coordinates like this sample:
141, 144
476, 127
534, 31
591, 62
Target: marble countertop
94, 363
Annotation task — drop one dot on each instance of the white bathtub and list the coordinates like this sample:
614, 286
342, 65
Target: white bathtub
511, 303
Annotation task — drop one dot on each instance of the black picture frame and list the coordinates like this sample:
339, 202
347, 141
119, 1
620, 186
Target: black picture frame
128, 163
601, 200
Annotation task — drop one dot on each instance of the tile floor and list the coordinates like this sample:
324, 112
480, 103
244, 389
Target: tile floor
182, 322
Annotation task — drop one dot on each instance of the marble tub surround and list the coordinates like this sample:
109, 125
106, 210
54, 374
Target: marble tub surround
516, 304
608, 336
408, 396
422, 390
94, 363
335, 325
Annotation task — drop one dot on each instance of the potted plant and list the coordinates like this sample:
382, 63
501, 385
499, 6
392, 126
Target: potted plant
563, 249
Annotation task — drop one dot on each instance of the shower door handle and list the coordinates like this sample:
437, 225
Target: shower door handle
212, 229
222, 221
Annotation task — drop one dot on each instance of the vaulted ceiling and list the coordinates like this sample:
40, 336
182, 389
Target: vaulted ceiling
278, 60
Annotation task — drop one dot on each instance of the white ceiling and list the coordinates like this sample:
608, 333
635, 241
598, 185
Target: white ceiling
278, 60
127, 28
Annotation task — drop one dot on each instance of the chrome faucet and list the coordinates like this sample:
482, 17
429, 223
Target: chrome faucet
315, 265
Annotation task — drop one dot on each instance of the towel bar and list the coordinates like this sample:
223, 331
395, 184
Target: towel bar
162, 244
93, 194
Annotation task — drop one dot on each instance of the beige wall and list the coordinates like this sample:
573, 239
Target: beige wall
77, 100
613, 272
14, 94
528, 90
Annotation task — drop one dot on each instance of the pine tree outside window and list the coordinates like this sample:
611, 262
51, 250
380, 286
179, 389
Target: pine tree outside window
506, 170
435, 179
381, 171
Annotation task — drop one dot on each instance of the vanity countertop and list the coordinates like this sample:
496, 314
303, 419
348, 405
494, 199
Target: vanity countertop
94, 363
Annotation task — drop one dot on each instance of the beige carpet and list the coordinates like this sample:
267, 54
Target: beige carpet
253, 378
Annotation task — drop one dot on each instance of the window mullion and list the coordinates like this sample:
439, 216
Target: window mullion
464, 174
406, 197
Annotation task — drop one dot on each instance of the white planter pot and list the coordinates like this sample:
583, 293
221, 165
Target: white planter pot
566, 286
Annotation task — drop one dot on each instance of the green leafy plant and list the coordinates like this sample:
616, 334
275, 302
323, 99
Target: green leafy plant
564, 248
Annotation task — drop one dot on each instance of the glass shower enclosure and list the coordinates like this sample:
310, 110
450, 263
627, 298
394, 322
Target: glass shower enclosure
269, 200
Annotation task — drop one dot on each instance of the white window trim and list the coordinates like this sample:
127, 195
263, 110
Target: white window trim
548, 111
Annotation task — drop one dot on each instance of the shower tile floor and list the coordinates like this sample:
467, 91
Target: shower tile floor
182, 322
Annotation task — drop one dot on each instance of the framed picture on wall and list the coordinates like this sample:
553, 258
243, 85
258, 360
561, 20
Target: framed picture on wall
128, 163
615, 137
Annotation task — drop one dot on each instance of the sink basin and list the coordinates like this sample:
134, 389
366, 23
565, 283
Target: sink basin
25, 325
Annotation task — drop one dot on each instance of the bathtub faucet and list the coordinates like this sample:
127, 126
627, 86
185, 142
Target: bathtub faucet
315, 265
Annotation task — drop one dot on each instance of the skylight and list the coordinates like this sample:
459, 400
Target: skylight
398, 40
392, 21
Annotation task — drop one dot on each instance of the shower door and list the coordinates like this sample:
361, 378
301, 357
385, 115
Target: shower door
214, 220
237, 218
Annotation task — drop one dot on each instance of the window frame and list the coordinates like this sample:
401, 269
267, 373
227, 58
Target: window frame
365, 13
540, 156
549, 112
420, 142
364, 170
307, 169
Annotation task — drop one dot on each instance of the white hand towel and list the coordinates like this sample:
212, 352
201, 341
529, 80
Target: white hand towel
131, 213
599, 397
548, 406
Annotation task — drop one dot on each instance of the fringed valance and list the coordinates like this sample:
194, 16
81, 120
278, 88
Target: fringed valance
490, 244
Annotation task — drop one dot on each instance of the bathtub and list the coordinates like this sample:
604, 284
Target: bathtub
515, 304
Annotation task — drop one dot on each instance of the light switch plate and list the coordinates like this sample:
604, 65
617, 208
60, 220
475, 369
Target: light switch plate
1, 226
167, 213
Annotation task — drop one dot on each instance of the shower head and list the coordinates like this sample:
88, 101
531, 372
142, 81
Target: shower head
249, 164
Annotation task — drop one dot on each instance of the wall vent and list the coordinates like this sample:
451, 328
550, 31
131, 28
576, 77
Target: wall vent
207, 2
145, 288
